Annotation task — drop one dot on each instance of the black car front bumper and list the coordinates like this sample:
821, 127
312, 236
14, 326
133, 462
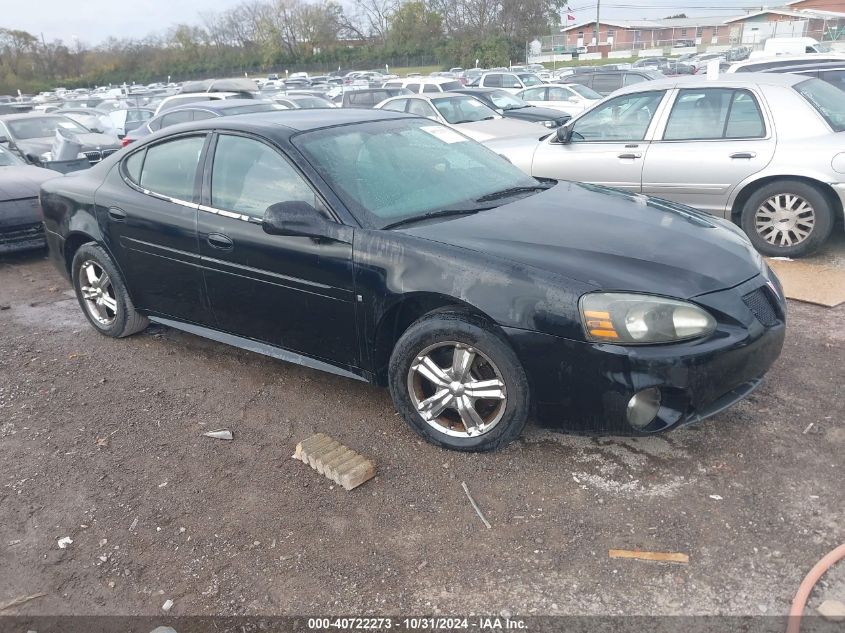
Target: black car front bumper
586, 387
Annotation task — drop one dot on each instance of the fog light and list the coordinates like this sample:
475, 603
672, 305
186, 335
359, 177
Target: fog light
643, 407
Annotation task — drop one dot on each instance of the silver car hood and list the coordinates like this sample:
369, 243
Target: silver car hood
502, 128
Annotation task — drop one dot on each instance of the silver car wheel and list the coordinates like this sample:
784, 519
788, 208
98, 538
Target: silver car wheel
785, 219
457, 389
98, 293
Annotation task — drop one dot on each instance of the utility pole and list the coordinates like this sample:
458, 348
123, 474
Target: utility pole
598, 23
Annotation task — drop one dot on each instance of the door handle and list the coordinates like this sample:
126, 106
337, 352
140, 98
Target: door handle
118, 215
632, 155
218, 240
744, 155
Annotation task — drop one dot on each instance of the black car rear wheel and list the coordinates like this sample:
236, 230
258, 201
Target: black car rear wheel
102, 294
458, 383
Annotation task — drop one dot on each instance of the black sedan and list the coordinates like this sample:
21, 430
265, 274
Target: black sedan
390, 249
515, 108
20, 217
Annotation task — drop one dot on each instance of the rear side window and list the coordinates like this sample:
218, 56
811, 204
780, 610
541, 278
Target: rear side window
534, 94
396, 106
413, 87
181, 116
631, 79
419, 107
132, 166
170, 168
451, 85
493, 81
714, 113
199, 115
511, 81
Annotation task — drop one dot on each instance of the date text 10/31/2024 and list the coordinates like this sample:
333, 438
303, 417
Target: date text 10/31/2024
481, 623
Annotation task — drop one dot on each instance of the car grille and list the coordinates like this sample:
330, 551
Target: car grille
95, 156
760, 304
21, 233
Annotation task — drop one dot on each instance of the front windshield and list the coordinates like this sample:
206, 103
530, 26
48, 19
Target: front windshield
530, 80
42, 127
584, 91
506, 101
462, 110
385, 171
7, 159
826, 99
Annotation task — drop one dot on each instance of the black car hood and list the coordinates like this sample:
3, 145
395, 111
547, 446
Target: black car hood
607, 238
22, 181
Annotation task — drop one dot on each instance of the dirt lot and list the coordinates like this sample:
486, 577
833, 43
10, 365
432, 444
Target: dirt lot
101, 441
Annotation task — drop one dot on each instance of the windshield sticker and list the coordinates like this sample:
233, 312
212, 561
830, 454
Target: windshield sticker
444, 134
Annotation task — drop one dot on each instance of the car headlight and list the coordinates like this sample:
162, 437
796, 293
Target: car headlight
616, 317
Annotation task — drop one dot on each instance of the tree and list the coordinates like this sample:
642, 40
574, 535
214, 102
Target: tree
413, 29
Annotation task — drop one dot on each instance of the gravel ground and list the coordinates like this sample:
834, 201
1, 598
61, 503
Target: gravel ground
101, 441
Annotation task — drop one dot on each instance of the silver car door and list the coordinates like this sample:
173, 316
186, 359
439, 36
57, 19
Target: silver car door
712, 139
608, 143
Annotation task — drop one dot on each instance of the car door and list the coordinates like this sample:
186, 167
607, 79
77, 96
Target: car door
712, 139
148, 207
608, 143
289, 291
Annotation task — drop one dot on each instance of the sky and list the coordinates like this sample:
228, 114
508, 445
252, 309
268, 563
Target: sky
92, 21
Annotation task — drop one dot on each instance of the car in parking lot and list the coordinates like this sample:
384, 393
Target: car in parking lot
300, 101
197, 111
606, 81
427, 85
476, 293
20, 216
369, 97
30, 136
512, 107
465, 114
507, 81
765, 150
569, 98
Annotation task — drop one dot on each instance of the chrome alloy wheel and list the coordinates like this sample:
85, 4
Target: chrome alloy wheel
457, 390
98, 293
785, 219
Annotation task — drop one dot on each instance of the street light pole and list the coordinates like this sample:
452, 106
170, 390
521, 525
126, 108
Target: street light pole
598, 21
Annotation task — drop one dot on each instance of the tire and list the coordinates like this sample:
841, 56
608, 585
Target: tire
503, 404
105, 302
774, 206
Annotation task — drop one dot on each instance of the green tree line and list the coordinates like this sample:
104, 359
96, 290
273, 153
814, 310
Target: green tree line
262, 35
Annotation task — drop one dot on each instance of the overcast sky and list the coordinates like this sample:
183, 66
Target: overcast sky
94, 20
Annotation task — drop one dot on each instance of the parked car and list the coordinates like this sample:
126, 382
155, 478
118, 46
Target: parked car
370, 97
650, 62
510, 82
475, 293
605, 82
831, 72
428, 85
88, 118
20, 216
31, 137
297, 102
197, 111
512, 107
465, 114
763, 64
124, 120
571, 99
764, 150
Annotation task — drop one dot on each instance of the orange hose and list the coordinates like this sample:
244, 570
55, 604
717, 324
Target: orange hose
806, 586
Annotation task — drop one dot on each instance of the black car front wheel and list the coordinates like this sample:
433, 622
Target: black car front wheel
102, 294
458, 383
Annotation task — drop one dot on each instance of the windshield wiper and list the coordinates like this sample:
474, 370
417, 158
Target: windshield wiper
441, 213
505, 193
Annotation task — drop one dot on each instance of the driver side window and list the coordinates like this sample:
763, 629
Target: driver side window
248, 176
625, 118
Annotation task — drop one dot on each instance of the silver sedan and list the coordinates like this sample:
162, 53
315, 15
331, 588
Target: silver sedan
465, 114
765, 150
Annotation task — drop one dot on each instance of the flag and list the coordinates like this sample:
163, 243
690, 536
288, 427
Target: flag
570, 17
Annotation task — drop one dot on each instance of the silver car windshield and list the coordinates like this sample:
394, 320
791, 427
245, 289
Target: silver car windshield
385, 171
826, 99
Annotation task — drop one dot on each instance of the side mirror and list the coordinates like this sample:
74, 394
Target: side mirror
4, 140
294, 218
564, 134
